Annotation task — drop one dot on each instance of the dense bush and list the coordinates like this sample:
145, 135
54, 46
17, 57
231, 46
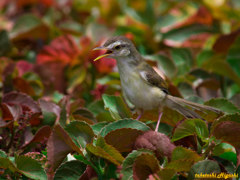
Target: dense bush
63, 117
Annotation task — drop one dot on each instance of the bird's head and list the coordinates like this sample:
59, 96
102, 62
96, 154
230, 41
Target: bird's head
118, 46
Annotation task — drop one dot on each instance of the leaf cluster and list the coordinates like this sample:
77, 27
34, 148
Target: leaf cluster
63, 116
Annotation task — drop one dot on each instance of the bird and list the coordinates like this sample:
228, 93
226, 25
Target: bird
141, 85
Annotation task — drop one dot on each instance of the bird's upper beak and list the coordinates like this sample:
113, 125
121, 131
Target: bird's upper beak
107, 53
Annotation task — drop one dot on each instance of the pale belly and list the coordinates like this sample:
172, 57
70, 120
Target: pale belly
141, 94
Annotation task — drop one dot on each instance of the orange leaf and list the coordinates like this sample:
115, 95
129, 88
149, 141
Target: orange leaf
202, 16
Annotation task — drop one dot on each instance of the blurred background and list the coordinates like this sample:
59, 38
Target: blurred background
45, 46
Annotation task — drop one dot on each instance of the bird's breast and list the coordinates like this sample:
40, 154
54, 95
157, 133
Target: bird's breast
139, 92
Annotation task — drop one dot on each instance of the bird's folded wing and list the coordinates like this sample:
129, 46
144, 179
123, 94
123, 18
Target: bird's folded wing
150, 76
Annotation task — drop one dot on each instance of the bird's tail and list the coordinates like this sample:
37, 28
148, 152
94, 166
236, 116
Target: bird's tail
187, 108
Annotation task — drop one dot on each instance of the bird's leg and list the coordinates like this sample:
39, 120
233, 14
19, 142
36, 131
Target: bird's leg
158, 122
140, 113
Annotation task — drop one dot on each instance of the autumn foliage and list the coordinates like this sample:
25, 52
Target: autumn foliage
63, 115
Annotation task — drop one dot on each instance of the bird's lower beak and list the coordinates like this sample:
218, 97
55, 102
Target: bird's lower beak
107, 53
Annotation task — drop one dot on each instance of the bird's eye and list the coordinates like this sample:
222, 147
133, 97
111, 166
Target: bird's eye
117, 47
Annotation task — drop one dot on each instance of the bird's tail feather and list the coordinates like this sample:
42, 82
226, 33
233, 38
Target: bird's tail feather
180, 104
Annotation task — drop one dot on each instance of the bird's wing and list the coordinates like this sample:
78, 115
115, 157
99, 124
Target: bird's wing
150, 76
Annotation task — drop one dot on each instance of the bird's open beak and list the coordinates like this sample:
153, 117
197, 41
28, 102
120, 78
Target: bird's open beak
107, 53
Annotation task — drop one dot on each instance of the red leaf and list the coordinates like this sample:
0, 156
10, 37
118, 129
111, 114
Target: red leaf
188, 142
89, 173
30, 108
10, 112
196, 41
228, 131
130, 36
5, 124
145, 165
23, 67
25, 101
224, 42
49, 107
3, 3
99, 91
105, 65
62, 49
41, 135
52, 75
21, 3
23, 86
238, 156
123, 139
58, 146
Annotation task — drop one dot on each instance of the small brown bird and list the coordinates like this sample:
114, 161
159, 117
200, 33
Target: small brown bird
140, 83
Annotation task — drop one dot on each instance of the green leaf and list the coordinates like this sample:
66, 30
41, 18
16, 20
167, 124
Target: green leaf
97, 108
182, 33
5, 44
102, 149
76, 75
204, 167
190, 127
230, 156
116, 106
49, 118
219, 65
234, 55
3, 154
109, 149
80, 132
227, 128
124, 123
222, 148
50, 112
131, 12
166, 173
183, 59
165, 64
223, 104
183, 153
98, 127
166, 20
63, 116
204, 56
71, 170
183, 159
127, 165
30, 168
56, 96
171, 116
88, 162
186, 89
165, 129
6, 163
25, 23
84, 114
144, 165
